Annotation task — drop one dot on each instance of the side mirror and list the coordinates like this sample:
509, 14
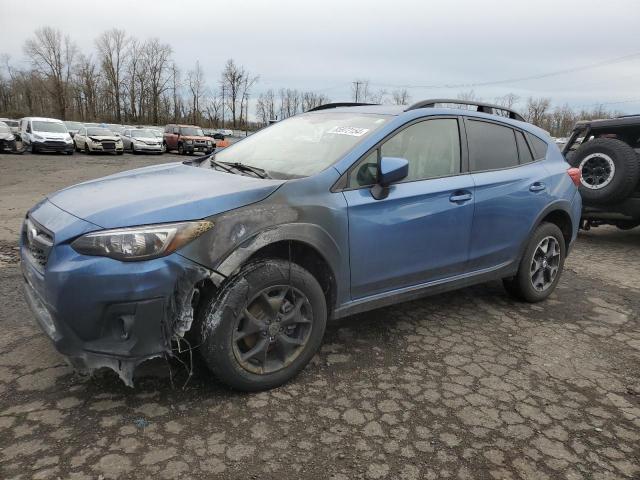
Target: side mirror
392, 170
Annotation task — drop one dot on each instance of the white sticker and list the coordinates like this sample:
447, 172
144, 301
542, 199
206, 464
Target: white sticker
352, 131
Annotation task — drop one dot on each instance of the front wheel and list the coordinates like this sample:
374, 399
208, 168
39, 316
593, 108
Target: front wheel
265, 325
541, 265
180, 149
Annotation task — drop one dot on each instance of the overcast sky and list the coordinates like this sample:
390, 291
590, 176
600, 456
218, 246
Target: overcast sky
323, 46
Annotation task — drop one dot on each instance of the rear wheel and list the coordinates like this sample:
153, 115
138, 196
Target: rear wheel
541, 265
264, 326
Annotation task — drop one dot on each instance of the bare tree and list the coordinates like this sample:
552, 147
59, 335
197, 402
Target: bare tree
508, 100
247, 84
236, 83
536, 110
52, 56
311, 100
469, 96
401, 96
156, 69
266, 107
196, 86
214, 110
113, 49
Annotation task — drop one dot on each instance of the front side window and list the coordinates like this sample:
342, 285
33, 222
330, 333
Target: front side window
432, 148
304, 144
491, 146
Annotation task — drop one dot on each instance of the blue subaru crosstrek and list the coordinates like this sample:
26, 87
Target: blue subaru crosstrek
246, 254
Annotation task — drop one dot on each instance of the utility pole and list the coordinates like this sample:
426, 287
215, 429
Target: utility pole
357, 84
246, 116
223, 105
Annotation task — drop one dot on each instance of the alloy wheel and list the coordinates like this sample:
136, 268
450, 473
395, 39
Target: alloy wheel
597, 171
545, 263
272, 330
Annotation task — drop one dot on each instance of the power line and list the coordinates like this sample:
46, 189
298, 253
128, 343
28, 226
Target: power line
521, 79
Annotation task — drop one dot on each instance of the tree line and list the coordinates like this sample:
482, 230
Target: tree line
122, 80
128, 80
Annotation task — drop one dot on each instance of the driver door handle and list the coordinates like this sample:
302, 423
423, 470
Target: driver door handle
460, 196
537, 187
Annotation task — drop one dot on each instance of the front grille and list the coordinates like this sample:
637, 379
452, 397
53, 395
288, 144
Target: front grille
37, 241
54, 145
108, 146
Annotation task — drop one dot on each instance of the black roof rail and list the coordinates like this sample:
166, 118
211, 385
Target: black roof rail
482, 107
339, 104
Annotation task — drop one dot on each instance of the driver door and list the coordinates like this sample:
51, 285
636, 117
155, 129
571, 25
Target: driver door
421, 231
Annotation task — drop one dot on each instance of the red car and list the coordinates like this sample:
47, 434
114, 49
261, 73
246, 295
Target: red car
186, 139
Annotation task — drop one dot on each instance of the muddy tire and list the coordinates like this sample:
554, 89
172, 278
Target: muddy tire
540, 267
610, 170
264, 326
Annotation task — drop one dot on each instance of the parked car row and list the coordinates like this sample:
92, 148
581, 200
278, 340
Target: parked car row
39, 134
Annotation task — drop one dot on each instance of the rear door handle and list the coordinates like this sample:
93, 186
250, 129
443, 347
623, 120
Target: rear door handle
537, 187
460, 197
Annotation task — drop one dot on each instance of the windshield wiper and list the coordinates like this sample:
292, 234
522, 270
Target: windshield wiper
259, 172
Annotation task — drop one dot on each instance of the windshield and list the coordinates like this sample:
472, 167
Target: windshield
191, 131
4, 128
50, 127
11, 123
303, 145
142, 134
73, 125
99, 131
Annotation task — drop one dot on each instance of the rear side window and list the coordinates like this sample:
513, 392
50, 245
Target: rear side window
491, 146
539, 147
523, 149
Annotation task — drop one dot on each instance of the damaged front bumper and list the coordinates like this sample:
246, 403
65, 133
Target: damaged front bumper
101, 312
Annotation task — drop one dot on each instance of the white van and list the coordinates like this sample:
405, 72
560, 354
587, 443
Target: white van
45, 135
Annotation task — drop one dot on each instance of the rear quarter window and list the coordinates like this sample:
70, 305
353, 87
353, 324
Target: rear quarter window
539, 146
523, 149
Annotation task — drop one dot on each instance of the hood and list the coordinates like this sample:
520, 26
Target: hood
195, 138
104, 137
161, 193
51, 135
146, 139
6, 136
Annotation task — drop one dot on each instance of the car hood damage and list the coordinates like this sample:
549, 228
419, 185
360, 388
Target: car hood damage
160, 194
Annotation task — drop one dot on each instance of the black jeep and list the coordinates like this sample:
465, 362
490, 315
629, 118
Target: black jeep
607, 152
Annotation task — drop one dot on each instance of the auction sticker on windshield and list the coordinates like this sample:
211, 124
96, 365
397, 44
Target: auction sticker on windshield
352, 131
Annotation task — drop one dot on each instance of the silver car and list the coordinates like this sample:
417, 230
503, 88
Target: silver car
141, 140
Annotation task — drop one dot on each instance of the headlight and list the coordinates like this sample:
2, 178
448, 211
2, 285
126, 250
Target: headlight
189, 142
37, 137
140, 243
68, 139
208, 143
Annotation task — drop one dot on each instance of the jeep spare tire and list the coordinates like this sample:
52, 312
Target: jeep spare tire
609, 169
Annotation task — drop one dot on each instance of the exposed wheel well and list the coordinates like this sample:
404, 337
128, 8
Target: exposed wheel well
308, 258
563, 221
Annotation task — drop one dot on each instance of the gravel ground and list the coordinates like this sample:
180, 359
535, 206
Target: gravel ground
468, 384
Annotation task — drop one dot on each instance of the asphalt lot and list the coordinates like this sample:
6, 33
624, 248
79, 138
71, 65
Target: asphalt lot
466, 385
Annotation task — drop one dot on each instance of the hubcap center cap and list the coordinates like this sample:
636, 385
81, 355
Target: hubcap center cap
274, 329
